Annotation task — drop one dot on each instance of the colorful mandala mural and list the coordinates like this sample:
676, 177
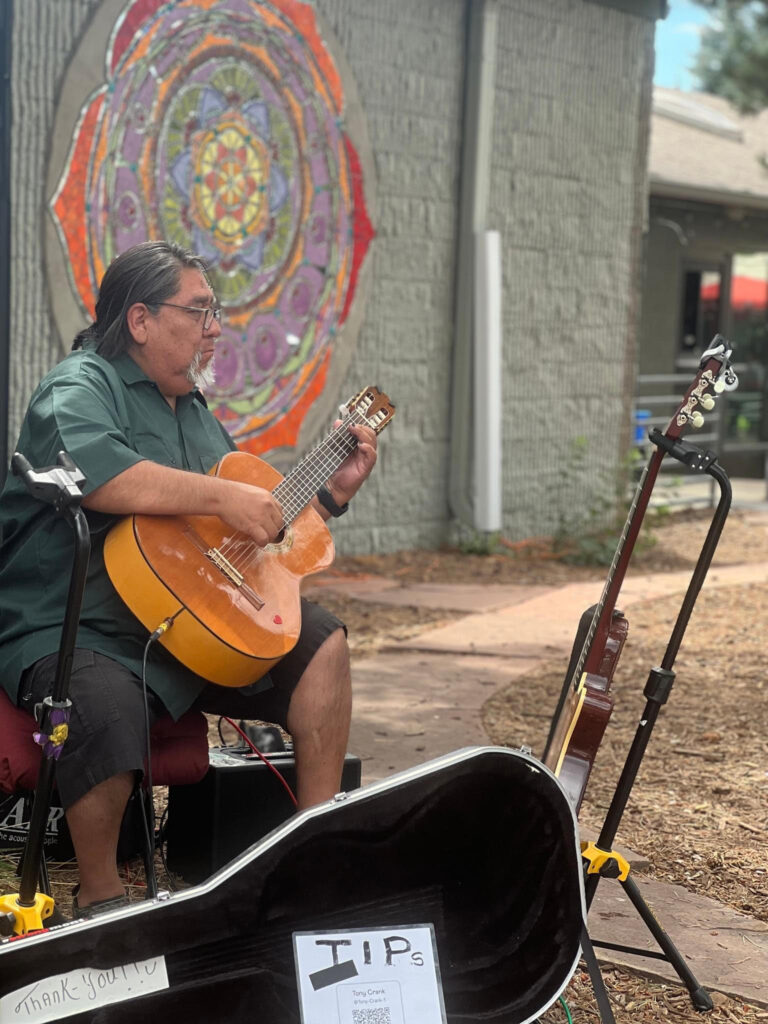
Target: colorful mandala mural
220, 126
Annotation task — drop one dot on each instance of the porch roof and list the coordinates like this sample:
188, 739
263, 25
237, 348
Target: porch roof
702, 148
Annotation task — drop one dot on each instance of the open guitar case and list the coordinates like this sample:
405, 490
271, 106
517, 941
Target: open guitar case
481, 843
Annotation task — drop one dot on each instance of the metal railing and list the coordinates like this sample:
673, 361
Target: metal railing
658, 396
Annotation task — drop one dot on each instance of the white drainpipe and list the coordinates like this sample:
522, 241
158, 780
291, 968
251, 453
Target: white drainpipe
487, 383
479, 86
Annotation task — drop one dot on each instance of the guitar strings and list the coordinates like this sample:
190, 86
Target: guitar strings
240, 550
296, 491
302, 483
601, 603
240, 540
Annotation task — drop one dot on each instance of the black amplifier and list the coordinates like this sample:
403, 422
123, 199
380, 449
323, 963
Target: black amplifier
237, 802
15, 814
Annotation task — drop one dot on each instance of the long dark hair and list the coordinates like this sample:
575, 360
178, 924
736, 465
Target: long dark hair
148, 273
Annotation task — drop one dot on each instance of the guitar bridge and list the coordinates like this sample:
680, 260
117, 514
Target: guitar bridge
225, 567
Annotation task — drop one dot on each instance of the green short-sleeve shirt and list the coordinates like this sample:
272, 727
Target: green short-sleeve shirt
107, 416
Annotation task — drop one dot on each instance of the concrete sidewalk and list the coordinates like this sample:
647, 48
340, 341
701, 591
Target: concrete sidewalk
421, 698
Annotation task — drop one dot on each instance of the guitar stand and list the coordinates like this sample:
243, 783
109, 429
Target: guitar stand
600, 859
59, 486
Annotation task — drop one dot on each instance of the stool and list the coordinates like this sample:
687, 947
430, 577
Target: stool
179, 749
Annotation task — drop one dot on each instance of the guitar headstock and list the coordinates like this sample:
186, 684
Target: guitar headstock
373, 405
715, 376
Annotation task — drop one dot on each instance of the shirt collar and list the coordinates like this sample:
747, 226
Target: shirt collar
131, 373
128, 369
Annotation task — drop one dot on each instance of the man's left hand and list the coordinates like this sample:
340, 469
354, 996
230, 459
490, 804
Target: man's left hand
356, 468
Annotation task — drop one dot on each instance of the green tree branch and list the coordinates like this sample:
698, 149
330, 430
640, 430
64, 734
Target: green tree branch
733, 57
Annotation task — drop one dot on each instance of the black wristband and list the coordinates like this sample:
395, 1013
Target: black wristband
325, 498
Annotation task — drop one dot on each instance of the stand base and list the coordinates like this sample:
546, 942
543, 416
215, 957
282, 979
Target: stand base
699, 996
26, 919
702, 1001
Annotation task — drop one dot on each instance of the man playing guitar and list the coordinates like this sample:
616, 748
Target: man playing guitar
127, 406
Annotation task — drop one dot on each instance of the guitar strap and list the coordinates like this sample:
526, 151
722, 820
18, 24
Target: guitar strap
598, 985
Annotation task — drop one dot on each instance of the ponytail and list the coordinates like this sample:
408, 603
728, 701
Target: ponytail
85, 337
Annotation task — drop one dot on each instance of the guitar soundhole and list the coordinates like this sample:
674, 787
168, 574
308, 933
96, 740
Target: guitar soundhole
282, 542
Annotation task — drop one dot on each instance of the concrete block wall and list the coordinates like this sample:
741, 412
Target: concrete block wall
44, 34
407, 59
567, 195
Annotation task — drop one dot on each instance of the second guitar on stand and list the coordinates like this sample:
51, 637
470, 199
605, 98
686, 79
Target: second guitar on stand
586, 702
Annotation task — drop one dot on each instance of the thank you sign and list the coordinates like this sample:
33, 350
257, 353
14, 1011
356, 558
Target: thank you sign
363, 976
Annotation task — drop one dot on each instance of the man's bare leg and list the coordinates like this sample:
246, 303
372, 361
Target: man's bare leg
318, 721
94, 825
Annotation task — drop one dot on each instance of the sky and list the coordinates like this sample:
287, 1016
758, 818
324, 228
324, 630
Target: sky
677, 40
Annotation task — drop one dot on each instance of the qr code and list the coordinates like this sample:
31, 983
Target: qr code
379, 1015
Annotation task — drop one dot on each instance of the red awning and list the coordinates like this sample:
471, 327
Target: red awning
746, 292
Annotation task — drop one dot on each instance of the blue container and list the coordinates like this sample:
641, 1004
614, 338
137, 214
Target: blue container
642, 419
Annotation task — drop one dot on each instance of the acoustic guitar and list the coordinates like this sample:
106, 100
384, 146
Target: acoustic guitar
229, 609
586, 703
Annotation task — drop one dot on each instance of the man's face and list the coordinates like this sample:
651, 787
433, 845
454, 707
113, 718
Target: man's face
175, 350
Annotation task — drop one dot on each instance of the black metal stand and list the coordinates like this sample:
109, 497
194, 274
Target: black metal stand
58, 486
601, 861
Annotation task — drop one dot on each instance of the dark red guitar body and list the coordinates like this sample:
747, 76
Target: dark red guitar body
580, 728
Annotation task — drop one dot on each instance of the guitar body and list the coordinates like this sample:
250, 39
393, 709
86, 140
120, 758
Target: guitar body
235, 607
583, 713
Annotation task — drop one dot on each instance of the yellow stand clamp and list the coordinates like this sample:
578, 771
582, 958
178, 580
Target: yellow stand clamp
600, 859
27, 919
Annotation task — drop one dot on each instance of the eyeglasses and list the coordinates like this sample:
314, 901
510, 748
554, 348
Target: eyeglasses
211, 313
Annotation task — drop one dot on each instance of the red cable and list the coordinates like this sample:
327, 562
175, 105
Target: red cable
268, 763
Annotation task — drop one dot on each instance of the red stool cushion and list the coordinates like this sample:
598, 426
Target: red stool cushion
179, 749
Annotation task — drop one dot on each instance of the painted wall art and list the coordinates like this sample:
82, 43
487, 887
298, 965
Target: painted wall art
226, 126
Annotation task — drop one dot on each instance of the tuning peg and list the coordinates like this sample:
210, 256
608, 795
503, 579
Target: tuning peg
707, 402
696, 419
727, 381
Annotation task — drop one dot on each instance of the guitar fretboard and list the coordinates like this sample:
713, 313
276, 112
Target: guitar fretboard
297, 490
577, 672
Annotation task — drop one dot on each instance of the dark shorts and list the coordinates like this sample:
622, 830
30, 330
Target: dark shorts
107, 732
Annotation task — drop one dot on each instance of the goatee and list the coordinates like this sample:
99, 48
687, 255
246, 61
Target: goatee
201, 376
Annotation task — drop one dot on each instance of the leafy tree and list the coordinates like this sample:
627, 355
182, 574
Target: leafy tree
733, 58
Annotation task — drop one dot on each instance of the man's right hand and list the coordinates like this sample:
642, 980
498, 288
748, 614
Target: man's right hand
251, 510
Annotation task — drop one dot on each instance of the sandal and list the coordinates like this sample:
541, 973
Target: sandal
97, 907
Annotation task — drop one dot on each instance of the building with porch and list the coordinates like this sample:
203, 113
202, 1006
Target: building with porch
706, 265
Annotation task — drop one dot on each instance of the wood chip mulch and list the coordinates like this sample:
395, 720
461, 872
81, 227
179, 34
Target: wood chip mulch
699, 809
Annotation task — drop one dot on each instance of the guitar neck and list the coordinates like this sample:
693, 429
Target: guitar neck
296, 491
591, 652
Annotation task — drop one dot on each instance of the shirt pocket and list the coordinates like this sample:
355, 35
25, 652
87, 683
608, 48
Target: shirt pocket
204, 461
157, 449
